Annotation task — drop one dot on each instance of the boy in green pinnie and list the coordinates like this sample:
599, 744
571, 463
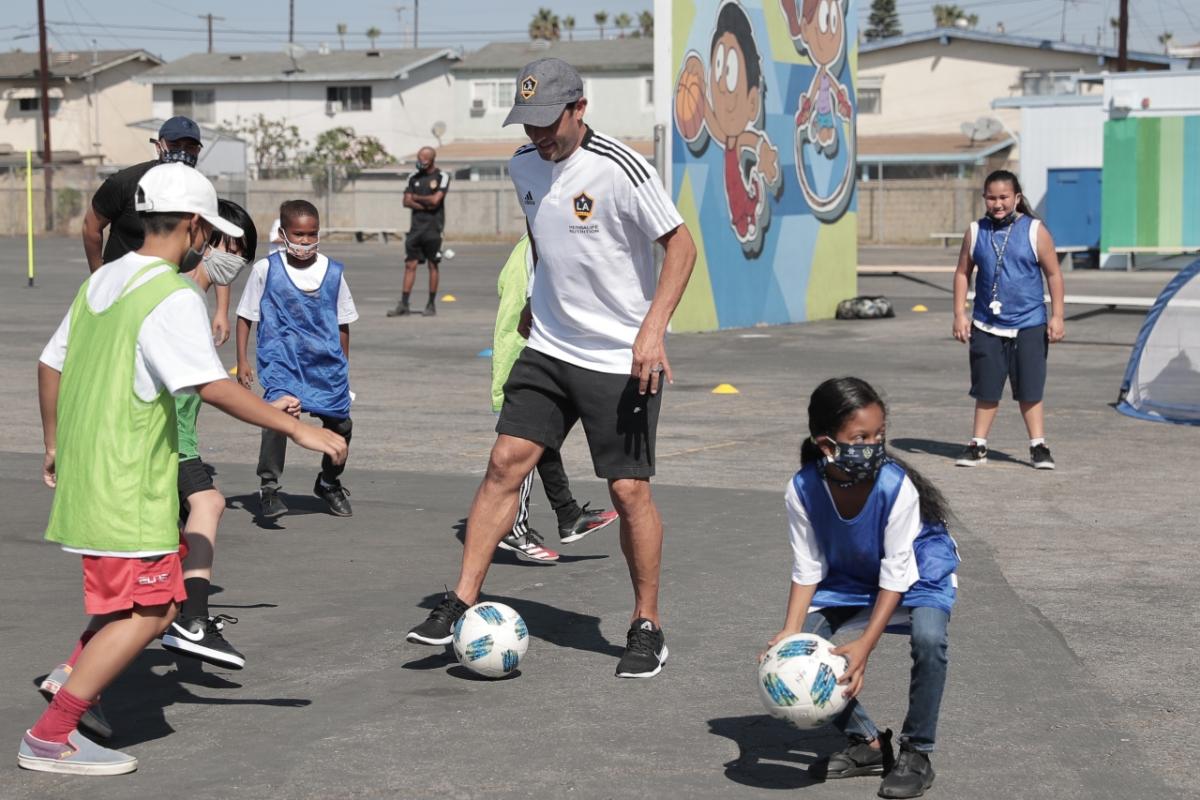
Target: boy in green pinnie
136, 334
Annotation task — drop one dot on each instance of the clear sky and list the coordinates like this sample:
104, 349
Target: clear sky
171, 28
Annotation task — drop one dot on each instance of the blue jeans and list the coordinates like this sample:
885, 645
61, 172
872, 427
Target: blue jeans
929, 641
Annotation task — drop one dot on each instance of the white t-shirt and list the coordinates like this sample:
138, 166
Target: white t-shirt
274, 245
174, 346
898, 567
307, 279
594, 216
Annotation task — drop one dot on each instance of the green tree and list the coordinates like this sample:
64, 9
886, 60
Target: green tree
646, 23
947, 15
373, 33
1164, 39
345, 154
621, 22
274, 144
884, 21
569, 24
544, 25
601, 17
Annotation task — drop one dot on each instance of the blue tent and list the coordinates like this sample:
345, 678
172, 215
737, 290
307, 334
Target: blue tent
1162, 381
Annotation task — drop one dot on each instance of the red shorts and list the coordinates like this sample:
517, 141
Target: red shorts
112, 584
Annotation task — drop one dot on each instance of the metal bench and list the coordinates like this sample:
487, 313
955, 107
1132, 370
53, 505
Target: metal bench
361, 234
947, 238
1130, 252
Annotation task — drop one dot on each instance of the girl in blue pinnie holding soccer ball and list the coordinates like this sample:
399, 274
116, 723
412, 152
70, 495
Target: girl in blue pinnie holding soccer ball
870, 547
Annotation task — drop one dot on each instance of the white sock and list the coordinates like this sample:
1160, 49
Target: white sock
1037, 441
979, 440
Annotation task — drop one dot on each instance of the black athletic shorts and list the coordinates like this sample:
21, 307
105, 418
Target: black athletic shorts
1020, 359
544, 396
194, 476
423, 245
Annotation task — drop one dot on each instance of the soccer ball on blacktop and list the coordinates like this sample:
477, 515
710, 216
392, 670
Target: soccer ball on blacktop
490, 639
798, 681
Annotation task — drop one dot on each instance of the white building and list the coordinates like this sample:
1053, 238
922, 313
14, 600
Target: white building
93, 97
618, 82
394, 95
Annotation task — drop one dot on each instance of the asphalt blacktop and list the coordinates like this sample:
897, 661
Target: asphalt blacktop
1072, 648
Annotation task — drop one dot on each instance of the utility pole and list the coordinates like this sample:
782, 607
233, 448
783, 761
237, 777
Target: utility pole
291, 20
416, 21
47, 153
1123, 37
210, 19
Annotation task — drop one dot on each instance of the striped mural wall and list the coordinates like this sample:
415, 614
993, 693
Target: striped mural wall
1150, 193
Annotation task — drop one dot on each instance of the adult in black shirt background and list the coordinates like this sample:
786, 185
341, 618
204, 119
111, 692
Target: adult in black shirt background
426, 196
113, 206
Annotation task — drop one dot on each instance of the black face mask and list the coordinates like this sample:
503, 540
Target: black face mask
177, 156
861, 462
191, 259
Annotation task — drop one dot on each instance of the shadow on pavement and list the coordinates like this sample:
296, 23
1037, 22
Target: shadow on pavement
771, 753
948, 450
297, 504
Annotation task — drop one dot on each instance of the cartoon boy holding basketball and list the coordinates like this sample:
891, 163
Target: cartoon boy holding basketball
818, 28
726, 104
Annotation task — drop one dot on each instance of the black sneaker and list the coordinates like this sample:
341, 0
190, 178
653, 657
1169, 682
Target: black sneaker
1039, 454
401, 310
269, 504
588, 520
912, 775
201, 637
973, 455
439, 627
430, 310
645, 651
337, 496
859, 758
529, 547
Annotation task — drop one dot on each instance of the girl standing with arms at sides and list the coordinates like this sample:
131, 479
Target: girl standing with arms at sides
1008, 330
870, 545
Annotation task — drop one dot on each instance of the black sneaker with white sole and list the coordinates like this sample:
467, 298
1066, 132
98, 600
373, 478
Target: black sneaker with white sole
857, 759
336, 495
911, 776
438, 628
973, 455
529, 547
645, 651
269, 504
1039, 454
201, 637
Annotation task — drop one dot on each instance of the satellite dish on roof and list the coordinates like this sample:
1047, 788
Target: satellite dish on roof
438, 130
982, 129
293, 52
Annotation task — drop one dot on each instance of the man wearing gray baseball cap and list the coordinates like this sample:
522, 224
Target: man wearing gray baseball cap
596, 324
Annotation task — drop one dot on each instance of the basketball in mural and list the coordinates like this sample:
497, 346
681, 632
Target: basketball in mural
689, 100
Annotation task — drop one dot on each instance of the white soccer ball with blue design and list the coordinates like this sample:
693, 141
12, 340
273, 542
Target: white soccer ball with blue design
490, 639
797, 680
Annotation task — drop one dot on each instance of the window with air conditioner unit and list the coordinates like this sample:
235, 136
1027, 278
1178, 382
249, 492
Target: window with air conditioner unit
196, 104
492, 94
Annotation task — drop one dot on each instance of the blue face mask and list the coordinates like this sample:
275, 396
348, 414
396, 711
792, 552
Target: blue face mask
860, 462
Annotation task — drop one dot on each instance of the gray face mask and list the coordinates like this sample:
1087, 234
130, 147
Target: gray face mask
223, 268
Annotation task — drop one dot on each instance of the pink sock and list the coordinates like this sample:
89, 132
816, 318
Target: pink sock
60, 718
84, 638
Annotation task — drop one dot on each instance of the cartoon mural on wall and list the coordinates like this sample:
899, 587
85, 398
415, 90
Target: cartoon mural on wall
728, 107
776, 228
818, 29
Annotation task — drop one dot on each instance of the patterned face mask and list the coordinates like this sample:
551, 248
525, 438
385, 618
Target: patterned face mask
300, 252
861, 462
180, 156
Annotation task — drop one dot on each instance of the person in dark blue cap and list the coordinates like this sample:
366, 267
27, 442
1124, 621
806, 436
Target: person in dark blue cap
179, 140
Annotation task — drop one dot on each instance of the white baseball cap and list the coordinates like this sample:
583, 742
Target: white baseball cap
182, 189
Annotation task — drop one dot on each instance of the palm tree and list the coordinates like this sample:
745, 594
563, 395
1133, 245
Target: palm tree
569, 24
373, 33
341, 29
646, 23
1164, 39
601, 17
544, 25
622, 22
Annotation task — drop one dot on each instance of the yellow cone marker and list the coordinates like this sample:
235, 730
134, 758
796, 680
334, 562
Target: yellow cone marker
233, 371
448, 298
726, 388
918, 307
